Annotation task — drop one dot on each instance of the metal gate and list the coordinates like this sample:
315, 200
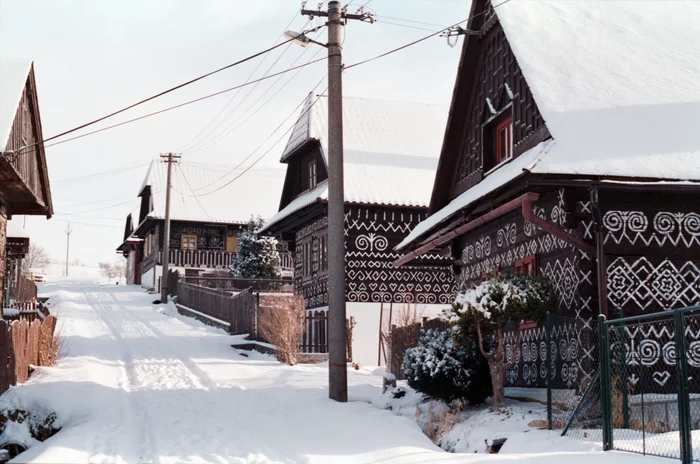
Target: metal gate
650, 383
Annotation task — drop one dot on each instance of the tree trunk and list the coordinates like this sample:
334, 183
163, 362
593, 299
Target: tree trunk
497, 381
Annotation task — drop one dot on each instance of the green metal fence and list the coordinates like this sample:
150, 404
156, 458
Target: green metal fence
649, 383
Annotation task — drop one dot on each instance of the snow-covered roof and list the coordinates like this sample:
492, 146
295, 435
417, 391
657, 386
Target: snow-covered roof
194, 197
13, 78
617, 83
15, 229
391, 149
496, 179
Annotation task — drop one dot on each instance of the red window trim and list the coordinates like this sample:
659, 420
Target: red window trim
506, 124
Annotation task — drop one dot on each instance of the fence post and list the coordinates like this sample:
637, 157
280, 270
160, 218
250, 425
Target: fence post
683, 396
605, 398
548, 329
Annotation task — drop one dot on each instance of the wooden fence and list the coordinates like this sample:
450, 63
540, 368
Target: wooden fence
23, 344
403, 338
315, 336
238, 310
23, 293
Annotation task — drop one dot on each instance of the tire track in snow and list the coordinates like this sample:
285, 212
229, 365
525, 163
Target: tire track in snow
137, 414
188, 362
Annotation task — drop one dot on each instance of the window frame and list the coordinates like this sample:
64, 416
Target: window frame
236, 246
522, 265
312, 171
184, 237
505, 124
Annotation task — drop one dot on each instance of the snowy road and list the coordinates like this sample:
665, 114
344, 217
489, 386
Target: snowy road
140, 384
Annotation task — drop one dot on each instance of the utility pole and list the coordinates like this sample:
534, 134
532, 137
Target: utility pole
170, 158
68, 232
337, 365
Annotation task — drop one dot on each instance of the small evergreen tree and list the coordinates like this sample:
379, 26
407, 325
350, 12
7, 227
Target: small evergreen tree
488, 307
439, 369
257, 256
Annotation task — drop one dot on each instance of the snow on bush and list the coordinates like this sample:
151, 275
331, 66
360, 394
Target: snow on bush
481, 313
441, 370
257, 257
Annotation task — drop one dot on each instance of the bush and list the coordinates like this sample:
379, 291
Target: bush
441, 370
282, 325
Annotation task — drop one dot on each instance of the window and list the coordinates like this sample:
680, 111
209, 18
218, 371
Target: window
504, 139
307, 259
324, 252
232, 244
312, 175
527, 265
188, 242
498, 140
148, 245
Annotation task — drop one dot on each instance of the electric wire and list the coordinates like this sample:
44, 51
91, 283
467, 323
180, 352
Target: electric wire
233, 97
160, 94
192, 190
293, 112
249, 167
170, 108
101, 173
250, 91
226, 132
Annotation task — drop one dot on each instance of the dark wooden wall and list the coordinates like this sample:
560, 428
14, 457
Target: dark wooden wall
498, 76
371, 233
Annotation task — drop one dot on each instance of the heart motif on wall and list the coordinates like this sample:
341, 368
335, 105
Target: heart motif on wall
661, 377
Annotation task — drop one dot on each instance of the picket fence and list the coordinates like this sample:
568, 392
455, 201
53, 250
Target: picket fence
23, 344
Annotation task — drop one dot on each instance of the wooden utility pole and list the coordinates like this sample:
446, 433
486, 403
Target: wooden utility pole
170, 158
68, 232
337, 346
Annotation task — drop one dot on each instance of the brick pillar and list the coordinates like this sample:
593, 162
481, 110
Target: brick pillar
3, 255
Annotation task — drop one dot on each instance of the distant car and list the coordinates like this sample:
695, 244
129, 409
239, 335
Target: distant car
37, 275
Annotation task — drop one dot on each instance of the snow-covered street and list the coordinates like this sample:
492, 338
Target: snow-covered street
139, 383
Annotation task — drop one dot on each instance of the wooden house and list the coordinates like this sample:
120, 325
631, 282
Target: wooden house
209, 206
571, 151
390, 154
24, 178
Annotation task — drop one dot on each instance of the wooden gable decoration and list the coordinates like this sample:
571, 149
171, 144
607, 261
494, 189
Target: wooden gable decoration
488, 72
24, 180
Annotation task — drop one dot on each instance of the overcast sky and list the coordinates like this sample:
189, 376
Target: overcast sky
93, 57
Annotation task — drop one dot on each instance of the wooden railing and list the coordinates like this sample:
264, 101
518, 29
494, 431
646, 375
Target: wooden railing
237, 310
238, 284
23, 293
315, 336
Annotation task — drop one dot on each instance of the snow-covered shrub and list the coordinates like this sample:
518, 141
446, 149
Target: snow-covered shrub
282, 325
439, 369
480, 313
257, 256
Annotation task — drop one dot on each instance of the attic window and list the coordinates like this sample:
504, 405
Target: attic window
313, 179
498, 140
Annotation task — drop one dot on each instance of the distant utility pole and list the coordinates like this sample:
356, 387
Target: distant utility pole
68, 232
337, 365
170, 158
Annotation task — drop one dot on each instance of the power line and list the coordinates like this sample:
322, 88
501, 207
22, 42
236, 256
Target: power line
92, 202
182, 104
225, 133
191, 81
379, 18
379, 21
192, 190
250, 76
101, 173
248, 168
268, 138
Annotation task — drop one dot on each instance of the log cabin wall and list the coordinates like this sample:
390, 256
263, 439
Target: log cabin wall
24, 133
499, 82
499, 245
371, 233
652, 247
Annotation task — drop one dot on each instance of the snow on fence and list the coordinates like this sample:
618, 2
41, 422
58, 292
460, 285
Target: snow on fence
24, 344
238, 311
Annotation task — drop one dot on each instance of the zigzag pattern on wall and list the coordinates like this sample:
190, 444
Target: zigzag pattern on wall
668, 228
